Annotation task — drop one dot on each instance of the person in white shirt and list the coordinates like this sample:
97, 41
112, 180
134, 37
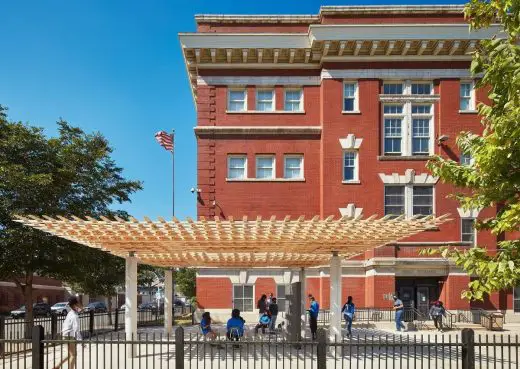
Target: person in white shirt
71, 331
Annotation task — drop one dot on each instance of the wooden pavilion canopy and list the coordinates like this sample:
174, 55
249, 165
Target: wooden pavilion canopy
244, 243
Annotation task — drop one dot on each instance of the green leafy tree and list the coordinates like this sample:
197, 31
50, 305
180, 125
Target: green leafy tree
494, 177
185, 281
71, 174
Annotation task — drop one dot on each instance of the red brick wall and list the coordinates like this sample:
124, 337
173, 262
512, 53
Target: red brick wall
216, 293
264, 286
376, 287
355, 287
451, 292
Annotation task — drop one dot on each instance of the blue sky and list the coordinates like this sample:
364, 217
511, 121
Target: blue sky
116, 67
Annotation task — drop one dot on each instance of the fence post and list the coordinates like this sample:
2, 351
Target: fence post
54, 326
179, 348
37, 347
468, 349
321, 350
2, 335
116, 321
91, 323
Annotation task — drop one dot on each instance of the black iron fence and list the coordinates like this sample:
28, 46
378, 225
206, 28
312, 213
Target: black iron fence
185, 350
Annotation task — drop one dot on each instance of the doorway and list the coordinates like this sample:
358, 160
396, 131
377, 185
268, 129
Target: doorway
418, 293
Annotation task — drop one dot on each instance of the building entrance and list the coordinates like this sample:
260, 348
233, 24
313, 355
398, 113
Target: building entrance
418, 293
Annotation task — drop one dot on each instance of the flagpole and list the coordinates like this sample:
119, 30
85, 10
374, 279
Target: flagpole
173, 215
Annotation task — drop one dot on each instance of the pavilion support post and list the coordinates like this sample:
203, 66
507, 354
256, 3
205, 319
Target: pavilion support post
303, 286
131, 303
335, 298
168, 301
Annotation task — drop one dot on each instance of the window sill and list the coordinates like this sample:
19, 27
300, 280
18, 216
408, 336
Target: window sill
404, 158
265, 112
468, 112
351, 182
351, 112
265, 180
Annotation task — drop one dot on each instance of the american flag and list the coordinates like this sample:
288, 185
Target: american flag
165, 140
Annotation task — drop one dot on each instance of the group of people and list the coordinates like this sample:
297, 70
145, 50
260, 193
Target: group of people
437, 312
268, 313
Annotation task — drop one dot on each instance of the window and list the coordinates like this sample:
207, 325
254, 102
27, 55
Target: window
394, 200
237, 100
293, 167
393, 129
282, 290
293, 100
350, 166
467, 230
466, 97
265, 100
422, 201
237, 167
408, 200
516, 299
421, 122
393, 88
243, 297
466, 159
350, 96
265, 167
421, 88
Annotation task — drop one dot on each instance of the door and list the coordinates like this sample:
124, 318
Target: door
406, 294
423, 300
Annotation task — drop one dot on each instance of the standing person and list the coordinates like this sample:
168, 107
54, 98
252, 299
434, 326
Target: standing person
71, 332
348, 312
273, 310
269, 300
399, 310
262, 305
437, 311
314, 309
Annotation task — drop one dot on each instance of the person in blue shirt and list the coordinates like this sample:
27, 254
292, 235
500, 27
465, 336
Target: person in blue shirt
399, 310
205, 326
348, 312
314, 309
235, 326
263, 322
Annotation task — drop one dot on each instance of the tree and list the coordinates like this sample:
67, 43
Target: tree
185, 281
72, 174
494, 177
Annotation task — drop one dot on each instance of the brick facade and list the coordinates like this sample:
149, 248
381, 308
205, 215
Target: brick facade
378, 273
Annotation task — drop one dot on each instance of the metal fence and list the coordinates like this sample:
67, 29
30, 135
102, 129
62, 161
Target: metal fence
184, 350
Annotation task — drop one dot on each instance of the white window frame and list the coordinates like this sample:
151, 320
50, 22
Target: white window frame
263, 156
356, 167
407, 100
394, 83
243, 89
229, 157
302, 166
292, 89
356, 97
273, 98
242, 298
474, 229
429, 116
472, 105
408, 197
471, 160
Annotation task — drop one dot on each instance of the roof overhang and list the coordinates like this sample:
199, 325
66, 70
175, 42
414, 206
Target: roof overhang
234, 243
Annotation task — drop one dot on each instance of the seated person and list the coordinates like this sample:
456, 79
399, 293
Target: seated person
264, 322
235, 326
205, 326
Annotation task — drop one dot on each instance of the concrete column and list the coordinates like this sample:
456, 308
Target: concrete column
168, 301
303, 286
131, 302
335, 297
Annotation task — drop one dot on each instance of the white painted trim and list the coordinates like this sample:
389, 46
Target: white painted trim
351, 211
230, 156
356, 167
395, 74
273, 99
351, 142
236, 88
390, 9
292, 89
472, 97
394, 58
265, 180
469, 213
271, 156
474, 229
408, 178
379, 32
234, 66
373, 272
356, 96
259, 81
258, 130
241, 40
302, 166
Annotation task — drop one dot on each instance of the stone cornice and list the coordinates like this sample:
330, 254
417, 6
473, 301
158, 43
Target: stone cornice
257, 130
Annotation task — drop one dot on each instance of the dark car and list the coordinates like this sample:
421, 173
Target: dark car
147, 306
39, 309
96, 307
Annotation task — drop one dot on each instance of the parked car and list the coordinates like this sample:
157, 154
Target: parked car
96, 307
147, 306
60, 308
39, 309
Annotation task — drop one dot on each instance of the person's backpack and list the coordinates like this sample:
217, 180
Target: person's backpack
349, 311
265, 320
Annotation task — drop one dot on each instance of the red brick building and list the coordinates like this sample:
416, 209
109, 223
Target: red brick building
337, 114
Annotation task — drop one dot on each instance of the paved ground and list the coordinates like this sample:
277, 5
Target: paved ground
370, 348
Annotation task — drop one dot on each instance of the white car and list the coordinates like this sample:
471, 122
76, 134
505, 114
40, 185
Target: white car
60, 308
